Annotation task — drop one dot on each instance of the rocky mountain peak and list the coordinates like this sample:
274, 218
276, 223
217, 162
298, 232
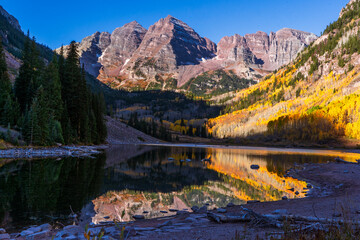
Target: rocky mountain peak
11, 19
124, 42
348, 6
263, 51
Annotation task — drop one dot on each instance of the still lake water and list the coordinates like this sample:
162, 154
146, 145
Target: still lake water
133, 179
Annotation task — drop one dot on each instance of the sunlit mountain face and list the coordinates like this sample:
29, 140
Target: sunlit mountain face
149, 180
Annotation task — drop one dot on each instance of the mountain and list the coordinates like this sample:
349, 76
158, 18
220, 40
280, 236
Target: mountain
13, 40
170, 54
314, 99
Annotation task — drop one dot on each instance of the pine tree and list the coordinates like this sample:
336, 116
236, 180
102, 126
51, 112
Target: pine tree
83, 108
52, 85
28, 80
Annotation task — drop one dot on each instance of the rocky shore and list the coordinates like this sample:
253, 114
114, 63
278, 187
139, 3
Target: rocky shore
51, 152
334, 198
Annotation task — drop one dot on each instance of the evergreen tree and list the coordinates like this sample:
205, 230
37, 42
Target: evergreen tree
83, 108
70, 84
28, 80
52, 87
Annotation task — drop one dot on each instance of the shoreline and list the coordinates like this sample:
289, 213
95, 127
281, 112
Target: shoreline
51, 152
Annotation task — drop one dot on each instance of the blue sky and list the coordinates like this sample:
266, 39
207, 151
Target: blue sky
55, 22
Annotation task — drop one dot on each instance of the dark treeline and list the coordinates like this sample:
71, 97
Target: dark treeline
51, 103
157, 130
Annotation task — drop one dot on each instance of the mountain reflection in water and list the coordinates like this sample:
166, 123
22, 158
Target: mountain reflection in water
133, 179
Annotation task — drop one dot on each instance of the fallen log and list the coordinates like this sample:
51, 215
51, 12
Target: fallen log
227, 218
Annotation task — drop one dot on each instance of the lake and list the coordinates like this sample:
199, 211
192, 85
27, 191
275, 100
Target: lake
149, 180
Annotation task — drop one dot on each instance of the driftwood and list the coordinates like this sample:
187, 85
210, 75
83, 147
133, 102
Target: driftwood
227, 218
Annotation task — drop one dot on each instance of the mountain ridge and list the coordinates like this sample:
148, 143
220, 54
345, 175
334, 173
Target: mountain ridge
171, 53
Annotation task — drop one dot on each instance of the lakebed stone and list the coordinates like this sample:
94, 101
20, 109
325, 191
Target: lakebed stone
4, 236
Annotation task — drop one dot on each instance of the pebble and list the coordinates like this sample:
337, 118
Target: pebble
139, 217
255, 166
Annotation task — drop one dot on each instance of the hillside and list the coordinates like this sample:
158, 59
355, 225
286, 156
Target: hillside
315, 98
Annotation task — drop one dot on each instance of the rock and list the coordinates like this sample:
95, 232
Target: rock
45, 226
221, 210
144, 228
280, 212
4, 236
34, 229
203, 209
181, 212
230, 204
39, 235
138, 217
254, 166
284, 198
72, 237
195, 208
339, 186
26, 232
252, 201
164, 224
339, 160
70, 227
95, 231
190, 219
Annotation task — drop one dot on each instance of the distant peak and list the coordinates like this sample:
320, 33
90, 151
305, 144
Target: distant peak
134, 25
